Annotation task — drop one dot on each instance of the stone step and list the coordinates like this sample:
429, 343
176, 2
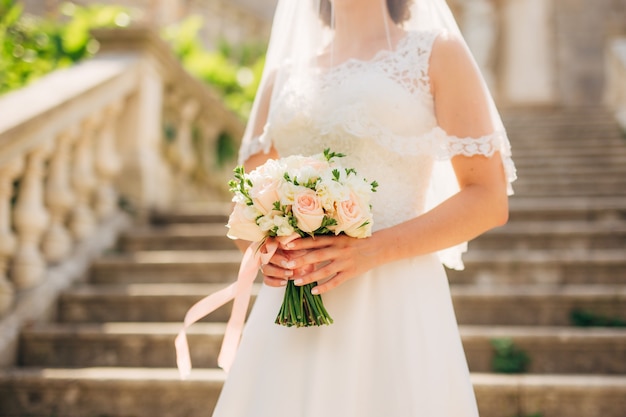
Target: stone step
526, 305
600, 139
167, 266
548, 267
137, 302
497, 305
110, 392
177, 237
145, 392
569, 172
581, 114
521, 208
606, 208
556, 176
586, 190
560, 119
579, 235
573, 134
566, 134
490, 267
551, 349
586, 148
193, 213
537, 234
580, 172
570, 161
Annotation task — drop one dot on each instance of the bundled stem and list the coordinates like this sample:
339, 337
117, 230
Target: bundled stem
300, 308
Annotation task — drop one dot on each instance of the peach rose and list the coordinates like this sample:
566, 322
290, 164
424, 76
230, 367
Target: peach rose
351, 214
242, 224
308, 210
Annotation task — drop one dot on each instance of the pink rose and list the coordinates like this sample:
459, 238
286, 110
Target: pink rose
308, 210
265, 194
242, 224
351, 214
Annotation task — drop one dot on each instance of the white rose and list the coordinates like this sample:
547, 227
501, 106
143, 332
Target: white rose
242, 224
330, 192
284, 228
264, 194
288, 193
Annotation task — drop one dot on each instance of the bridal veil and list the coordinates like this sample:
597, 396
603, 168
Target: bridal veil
302, 34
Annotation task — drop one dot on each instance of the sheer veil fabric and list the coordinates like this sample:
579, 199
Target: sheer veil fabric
302, 46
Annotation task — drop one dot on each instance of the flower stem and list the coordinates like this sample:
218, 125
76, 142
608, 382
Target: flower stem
300, 308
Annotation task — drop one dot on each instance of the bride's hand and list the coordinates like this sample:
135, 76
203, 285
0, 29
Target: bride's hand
338, 257
280, 268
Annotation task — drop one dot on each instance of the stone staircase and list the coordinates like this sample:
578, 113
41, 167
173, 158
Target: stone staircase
110, 352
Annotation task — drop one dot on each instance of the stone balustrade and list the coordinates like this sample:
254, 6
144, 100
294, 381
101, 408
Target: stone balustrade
615, 91
80, 140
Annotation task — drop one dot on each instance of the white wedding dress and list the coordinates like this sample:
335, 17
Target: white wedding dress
394, 349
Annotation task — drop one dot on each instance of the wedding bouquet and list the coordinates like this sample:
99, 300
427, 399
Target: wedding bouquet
299, 197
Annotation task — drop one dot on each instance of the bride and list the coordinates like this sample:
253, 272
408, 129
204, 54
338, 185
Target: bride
392, 85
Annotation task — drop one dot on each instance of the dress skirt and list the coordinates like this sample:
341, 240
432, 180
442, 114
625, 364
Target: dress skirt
394, 350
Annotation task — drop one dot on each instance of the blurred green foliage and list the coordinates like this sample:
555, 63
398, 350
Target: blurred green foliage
584, 318
235, 71
31, 47
508, 358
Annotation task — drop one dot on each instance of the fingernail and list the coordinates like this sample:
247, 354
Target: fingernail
289, 264
315, 291
289, 245
288, 273
298, 282
283, 283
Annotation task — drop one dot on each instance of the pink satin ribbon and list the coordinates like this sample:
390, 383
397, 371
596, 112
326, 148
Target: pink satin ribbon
240, 290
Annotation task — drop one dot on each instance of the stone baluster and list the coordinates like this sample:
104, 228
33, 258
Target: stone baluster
83, 180
184, 151
208, 155
57, 241
108, 163
31, 220
211, 130
7, 239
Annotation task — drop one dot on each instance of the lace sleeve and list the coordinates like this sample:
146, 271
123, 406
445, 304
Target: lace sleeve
444, 184
486, 145
256, 144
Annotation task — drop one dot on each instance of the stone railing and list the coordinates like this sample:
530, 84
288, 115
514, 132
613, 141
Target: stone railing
76, 143
615, 91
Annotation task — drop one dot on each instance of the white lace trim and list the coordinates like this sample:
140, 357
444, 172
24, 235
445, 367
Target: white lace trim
407, 64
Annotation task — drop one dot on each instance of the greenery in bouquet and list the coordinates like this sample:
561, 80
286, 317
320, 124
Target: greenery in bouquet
307, 197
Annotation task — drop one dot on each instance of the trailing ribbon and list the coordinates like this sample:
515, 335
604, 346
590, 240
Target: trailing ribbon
240, 291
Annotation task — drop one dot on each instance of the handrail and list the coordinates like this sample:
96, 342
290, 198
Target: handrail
77, 141
35, 113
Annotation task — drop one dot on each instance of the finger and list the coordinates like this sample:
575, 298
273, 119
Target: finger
322, 273
310, 243
328, 285
275, 272
274, 282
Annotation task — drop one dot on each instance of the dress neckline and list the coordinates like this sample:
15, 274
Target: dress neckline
379, 56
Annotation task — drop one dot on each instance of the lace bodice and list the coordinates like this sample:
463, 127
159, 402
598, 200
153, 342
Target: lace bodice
380, 113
